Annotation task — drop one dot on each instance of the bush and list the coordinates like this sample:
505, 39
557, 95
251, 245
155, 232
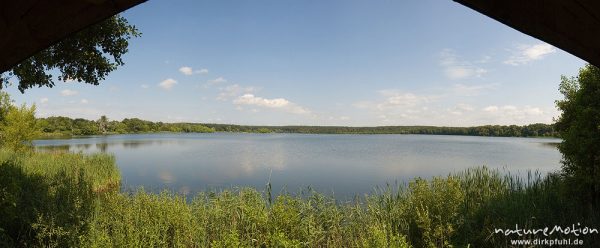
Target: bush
579, 127
434, 210
18, 128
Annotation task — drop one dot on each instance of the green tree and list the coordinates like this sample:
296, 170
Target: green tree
103, 124
135, 125
263, 130
87, 56
19, 128
84, 127
5, 104
579, 127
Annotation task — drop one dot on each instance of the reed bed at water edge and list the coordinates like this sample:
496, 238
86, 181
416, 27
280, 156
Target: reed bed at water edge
61, 200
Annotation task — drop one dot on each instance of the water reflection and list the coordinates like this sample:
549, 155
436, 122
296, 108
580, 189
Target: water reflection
101, 144
83, 146
166, 177
344, 164
54, 148
102, 147
133, 144
550, 144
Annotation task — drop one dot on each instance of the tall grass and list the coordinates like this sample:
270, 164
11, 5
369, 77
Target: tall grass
457, 210
47, 199
99, 170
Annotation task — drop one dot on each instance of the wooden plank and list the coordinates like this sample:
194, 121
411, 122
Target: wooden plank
572, 26
29, 26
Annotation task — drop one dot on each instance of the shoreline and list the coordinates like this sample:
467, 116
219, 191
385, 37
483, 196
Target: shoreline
64, 137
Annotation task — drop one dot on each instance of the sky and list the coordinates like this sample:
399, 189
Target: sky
349, 63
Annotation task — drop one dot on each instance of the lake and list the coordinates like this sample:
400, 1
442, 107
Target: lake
342, 165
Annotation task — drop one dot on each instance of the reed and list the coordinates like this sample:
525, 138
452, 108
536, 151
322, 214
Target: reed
62, 200
100, 170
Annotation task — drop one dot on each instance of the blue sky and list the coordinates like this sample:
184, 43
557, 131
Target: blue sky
355, 63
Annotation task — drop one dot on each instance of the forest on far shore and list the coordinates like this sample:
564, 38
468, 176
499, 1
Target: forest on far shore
65, 127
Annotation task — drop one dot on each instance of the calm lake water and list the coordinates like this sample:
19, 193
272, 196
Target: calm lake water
340, 164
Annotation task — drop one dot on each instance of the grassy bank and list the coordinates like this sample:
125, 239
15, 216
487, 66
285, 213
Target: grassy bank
62, 200
48, 199
97, 170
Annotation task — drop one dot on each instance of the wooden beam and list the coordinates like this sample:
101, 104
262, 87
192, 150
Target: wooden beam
571, 25
29, 26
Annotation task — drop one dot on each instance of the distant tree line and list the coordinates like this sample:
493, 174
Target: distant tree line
65, 126
532, 130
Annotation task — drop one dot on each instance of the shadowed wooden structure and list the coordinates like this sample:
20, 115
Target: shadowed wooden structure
572, 25
29, 26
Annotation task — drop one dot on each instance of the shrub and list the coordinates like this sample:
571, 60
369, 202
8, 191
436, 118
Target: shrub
19, 128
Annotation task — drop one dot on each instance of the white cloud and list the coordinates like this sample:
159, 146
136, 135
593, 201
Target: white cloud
461, 108
167, 84
490, 109
186, 70
84, 101
363, 105
511, 110
457, 72
456, 69
217, 80
484, 59
464, 107
44, 100
471, 90
399, 99
519, 115
338, 118
276, 103
250, 99
527, 53
395, 100
396, 107
234, 90
145, 86
72, 110
68, 92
